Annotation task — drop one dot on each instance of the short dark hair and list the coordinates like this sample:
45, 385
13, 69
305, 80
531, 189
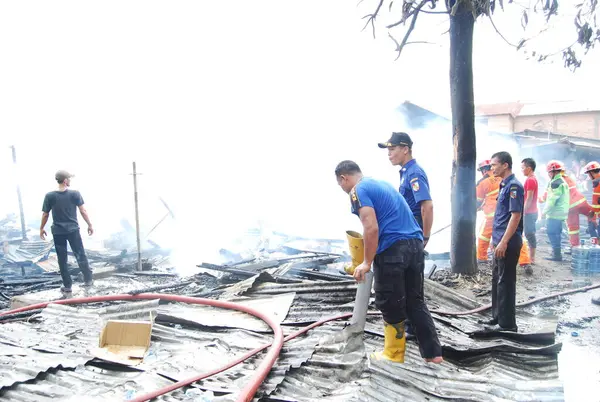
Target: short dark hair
503, 157
529, 162
346, 167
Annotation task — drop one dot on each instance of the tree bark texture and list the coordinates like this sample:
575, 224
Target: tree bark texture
464, 210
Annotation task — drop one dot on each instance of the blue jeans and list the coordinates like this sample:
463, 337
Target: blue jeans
529, 228
554, 230
60, 244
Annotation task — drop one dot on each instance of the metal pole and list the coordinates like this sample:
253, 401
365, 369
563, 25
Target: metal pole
23, 229
361, 304
137, 219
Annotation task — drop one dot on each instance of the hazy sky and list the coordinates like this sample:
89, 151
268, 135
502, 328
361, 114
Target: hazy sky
235, 111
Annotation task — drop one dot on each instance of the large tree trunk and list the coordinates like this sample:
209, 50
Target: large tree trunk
462, 251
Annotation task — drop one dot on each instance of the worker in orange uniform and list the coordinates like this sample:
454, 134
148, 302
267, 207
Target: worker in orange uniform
593, 170
578, 205
487, 193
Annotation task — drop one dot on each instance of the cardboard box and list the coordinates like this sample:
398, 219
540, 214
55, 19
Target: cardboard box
124, 342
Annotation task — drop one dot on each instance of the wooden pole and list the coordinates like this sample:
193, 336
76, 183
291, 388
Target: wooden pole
464, 209
137, 218
23, 228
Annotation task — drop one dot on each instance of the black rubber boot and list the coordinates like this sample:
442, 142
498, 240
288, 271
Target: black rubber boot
493, 321
556, 255
498, 328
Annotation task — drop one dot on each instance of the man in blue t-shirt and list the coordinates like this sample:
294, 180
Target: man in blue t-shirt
393, 243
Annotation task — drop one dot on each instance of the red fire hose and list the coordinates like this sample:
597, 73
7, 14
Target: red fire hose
250, 389
262, 371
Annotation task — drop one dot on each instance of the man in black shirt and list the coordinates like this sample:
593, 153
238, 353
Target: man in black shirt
64, 204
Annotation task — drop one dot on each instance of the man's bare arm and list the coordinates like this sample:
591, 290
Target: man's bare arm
45, 216
427, 215
529, 200
86, 218
370, 233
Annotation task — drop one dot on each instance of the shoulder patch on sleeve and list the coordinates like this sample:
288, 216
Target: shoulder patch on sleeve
354, 200
415, 185
414, 179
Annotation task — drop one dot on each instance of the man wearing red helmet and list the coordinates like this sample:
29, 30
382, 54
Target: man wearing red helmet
578, 205
593, 170
557, 206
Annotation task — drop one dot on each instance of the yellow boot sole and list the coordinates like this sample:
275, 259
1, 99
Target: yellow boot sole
383, 356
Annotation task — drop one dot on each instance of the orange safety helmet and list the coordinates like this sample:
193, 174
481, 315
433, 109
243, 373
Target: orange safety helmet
484, 163
555, 166
592, 166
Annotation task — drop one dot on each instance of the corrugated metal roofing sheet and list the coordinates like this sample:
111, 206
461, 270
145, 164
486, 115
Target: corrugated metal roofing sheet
88, 383
327, 364
28, 251
337, 371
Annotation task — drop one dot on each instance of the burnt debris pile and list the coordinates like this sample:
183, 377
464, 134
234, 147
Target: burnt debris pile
52, 353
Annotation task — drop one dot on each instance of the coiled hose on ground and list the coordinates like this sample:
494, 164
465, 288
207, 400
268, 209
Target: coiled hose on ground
261, 372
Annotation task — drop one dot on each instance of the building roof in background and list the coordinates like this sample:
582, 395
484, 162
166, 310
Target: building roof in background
550, 137
512, 108
537, 108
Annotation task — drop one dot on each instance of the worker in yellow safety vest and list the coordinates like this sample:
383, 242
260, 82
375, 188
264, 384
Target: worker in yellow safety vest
578, 205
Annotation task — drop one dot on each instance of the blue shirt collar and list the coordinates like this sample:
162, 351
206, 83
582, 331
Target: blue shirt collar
508, 179
408, 164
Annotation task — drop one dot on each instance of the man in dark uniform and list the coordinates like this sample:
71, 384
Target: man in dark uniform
507, 241
393, 243
414, 185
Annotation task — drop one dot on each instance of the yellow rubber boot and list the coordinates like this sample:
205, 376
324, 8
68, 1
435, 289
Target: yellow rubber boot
394, 345
357, 250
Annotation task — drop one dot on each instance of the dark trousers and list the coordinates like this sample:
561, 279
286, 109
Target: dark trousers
407, 325
504, 285
554, 230
399, 280
529, 230
60, 243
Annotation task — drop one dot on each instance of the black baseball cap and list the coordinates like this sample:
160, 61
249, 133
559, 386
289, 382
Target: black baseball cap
61, 175
397, 139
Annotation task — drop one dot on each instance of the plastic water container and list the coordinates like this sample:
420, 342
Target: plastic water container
594, 259
580, 259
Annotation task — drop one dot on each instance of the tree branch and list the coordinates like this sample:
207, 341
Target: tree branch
420, 42
412, 11
502, 36
371, 17
411, 27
